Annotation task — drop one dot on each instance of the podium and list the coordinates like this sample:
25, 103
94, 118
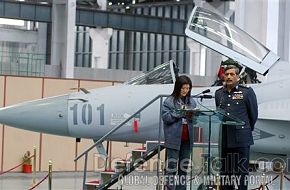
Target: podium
210, 121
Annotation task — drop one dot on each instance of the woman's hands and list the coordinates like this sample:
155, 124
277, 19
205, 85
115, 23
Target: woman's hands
188, 115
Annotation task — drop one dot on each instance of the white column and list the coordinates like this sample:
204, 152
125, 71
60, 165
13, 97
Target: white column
240, 13
194, 57
100, 47
212, 62
63, 36
285, 27
41, 38
272, 25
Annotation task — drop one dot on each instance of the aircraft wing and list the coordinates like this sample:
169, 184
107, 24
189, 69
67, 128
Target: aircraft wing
219, 34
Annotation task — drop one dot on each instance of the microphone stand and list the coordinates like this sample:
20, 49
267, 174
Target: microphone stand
209, 114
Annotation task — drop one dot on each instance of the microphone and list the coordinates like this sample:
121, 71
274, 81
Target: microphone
203, 92
206, 96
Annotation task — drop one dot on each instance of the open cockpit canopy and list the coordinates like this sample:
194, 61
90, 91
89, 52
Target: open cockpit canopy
217, 33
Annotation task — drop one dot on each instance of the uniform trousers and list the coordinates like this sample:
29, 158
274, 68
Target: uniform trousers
235, 165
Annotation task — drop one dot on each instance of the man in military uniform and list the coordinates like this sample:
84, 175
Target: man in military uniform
239, 102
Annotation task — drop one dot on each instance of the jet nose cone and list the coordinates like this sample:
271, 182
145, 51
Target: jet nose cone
46, 115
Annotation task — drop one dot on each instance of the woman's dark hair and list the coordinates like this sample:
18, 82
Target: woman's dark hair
180, 81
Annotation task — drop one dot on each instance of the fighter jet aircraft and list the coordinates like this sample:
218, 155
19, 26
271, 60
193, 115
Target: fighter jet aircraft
91, 114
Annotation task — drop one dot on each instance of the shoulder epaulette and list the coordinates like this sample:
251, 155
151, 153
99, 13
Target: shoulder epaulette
244, 86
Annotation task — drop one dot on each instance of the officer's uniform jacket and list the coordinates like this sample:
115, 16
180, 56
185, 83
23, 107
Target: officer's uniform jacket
172, 122
241, 103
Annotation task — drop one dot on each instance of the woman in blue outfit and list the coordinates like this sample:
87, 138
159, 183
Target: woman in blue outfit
178, 133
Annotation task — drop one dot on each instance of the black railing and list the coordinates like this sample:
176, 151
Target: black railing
101, 140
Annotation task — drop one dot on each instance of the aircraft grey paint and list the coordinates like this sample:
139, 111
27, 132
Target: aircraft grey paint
91, 115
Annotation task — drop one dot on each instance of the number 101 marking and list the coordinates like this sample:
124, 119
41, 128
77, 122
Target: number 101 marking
87, 114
